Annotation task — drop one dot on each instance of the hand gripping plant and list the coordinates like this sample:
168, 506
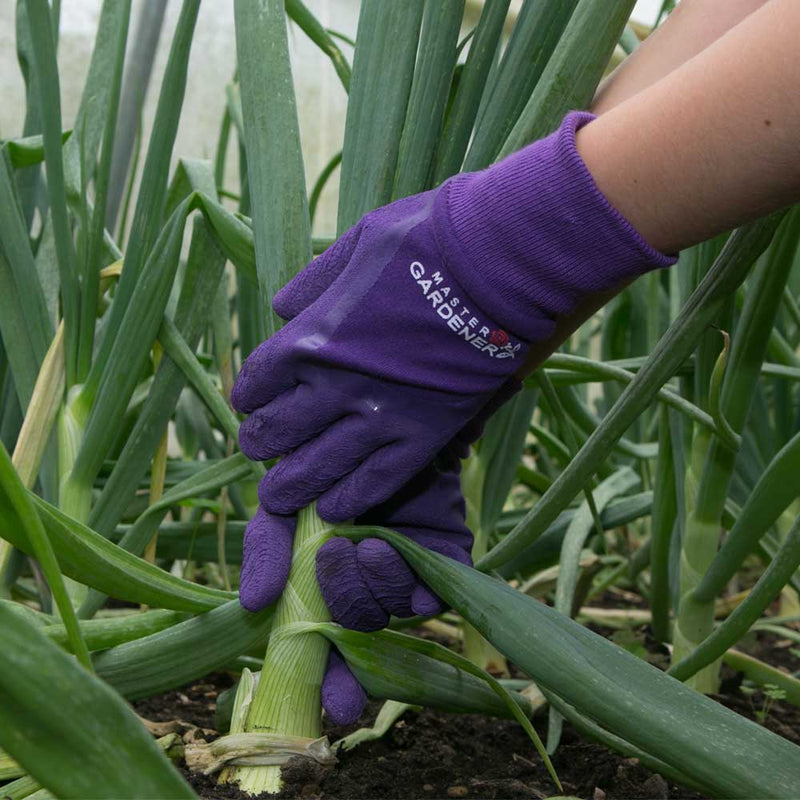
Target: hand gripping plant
695, 437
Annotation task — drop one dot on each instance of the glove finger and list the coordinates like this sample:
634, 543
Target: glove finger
343, 697
344, 590
288, 421
264, 375
424, 600
311, 282
457, 545
453, 544
266, 559
312, 469
372, 482
388, 577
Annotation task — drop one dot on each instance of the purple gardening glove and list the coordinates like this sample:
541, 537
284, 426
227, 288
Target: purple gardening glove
400, 333
365, 583
419, 313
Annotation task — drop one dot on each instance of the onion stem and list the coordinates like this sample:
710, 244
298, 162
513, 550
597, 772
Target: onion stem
287, 700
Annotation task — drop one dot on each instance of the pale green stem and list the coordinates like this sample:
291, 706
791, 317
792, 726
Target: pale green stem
74, 497
287, 700
693, 622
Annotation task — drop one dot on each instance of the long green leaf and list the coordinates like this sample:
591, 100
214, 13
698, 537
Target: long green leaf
436, 61
24, 322
383, 68
101, 634
387, 670
89, 558
626, 696
603, 370
184, 652
149, 23
130, 350
178, 350
147, 220
580, 527
69, 730
201, 278
665, 510
29, 180
500, 451
583, 419
44, 49
135, 540
97, 98
95, 235
533, 40
195, 540
545, 551
458, 126
312, 27
15, 494
572, 74
274, 157
322, 180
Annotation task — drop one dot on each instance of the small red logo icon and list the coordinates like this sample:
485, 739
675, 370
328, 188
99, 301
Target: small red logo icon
498, 337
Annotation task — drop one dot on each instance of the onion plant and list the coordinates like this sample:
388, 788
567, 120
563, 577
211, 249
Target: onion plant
656, 452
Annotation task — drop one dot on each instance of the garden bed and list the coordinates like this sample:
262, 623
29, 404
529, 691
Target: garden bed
431, 755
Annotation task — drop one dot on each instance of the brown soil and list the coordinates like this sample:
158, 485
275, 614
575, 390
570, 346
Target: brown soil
432, 755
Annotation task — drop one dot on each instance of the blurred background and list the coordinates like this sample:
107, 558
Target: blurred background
321, 100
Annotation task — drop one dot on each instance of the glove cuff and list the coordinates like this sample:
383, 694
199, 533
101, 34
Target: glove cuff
531, 235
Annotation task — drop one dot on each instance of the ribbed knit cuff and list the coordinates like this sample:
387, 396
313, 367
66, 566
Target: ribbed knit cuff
532, 235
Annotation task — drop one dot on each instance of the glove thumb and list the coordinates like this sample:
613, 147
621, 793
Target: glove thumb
266, 559
343, 697
311, 282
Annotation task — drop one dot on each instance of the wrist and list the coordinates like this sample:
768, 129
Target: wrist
533, 235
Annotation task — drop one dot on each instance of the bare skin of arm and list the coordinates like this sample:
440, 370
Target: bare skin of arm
712, 145
689, 29
688, 149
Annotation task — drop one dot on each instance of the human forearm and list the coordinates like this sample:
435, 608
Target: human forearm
713, 144
687, 158
690, 29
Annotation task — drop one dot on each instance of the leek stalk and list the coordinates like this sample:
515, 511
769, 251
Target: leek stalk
287, 700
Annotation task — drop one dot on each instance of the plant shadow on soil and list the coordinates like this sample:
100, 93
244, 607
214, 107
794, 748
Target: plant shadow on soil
431, 755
